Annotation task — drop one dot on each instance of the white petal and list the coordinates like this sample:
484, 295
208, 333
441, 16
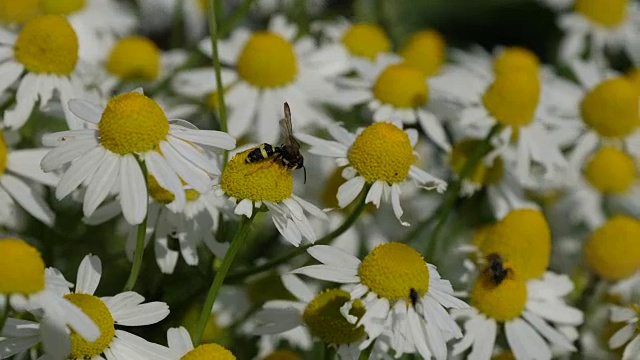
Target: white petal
434, 129
166, 177
375, 193
80, 170
525, 342
30, 200
622, 336
133, 190
348, 191
101, 183
297, 287
85, 110
334, 256
89, 274
632, 351
213, 138
27, 163
179, 340
328, 273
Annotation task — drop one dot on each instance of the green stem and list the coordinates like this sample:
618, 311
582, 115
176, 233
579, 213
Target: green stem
176, 25
141, 233
235, 17
350, 220
5, 313
235, 246
364, 355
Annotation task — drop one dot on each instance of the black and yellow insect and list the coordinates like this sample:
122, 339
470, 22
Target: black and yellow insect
496, 269
288, 153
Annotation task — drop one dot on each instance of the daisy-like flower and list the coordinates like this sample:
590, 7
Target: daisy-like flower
611, 250
271, 68
18, 168
512, 91
629, 334
381, 155
361, 40
404, 296
181, 347
42, 59
130, 128
124, 309
25, 286
18, 12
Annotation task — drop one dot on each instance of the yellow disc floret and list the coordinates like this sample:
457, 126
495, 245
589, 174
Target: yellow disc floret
267, 60
282, 355
96, 309
21, 268
17, 12
134, 58
62, 7
611, 170
265, 180
513, 97
426, 51
132, 123
504, 355
382, 152
391, 270
47, 44
3, 154
322, 316
502, 302
483, 174
522, 238
608, 13
613, 250
611, 108
634, 76
366, 40
209, 352
401, 85
516, 59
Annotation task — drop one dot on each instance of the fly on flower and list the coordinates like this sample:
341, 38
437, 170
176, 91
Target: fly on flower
288, 152
496, 268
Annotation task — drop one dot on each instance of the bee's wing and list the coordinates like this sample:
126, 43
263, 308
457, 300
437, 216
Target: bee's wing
287, 129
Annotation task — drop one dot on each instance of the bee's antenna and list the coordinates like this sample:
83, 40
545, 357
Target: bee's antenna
305, 174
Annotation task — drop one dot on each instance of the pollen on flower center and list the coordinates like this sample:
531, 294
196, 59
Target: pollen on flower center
401, 85
21, 268
47, 44
17, 12
611, 108
382, 152
132, 123
391, 270
366, 40
426, 51
482, 174
516, 59
62, 7
266, 180
611, 170
134, 58
209, 351
322, 316
3, 154
613, 250
96, 309
267, 60
608, 13
513, 97
501, 302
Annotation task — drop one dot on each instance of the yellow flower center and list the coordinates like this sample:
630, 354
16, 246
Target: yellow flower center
322, 316
504, 355
382, 152
21, 268
209, 352
100, 314
523, 238
426, 51
134, 58
611, 108
401, 85
611, 170
282, 355
212, 331
366, 40
516, 59
482, 174
203, 4
267, 60
613, 250
17, 12
47, 44
634, 76
513, 97
3, 153
481, 234
501, 302
164, 196
609, 13
132, 123
265, 180
391, 270
62, 7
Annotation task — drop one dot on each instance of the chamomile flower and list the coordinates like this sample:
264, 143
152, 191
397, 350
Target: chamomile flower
532, 315
181, 347
42, 59
130, 128
403, 296
271, 68
380, 155
250, 185
18, 12
629, 333
612, 250
124, 309
361, 39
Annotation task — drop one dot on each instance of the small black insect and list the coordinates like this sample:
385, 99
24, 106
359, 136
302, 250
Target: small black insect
414, 297
288, 152
495, 268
